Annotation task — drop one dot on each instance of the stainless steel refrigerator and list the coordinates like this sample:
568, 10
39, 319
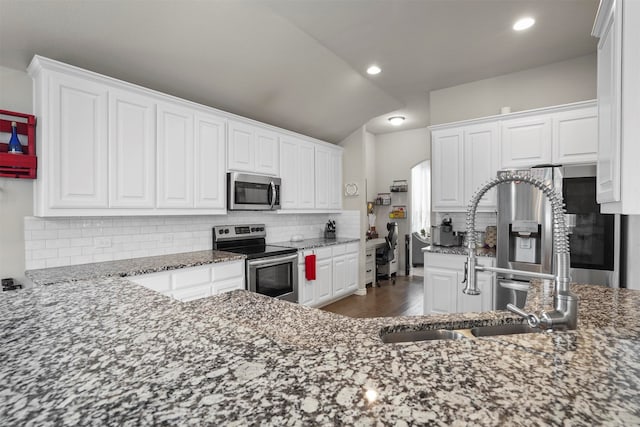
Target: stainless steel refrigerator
525, 231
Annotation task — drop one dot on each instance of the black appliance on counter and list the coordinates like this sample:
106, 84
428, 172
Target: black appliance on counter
269, 270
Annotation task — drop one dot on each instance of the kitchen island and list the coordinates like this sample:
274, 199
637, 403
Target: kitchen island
107, 351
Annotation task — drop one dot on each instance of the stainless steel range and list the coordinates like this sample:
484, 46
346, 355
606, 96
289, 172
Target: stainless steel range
269, 270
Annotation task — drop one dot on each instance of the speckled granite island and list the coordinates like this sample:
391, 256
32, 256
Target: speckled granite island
105, 351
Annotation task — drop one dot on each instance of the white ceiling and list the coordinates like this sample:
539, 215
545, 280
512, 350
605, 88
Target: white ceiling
299, 64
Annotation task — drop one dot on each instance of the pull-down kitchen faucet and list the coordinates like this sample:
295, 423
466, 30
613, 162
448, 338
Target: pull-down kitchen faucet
565, 313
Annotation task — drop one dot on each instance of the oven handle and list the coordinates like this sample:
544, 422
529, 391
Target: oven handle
272, 261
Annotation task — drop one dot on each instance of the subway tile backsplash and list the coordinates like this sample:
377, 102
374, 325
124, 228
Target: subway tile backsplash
55, 242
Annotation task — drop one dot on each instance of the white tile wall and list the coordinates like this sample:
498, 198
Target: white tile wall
54, 242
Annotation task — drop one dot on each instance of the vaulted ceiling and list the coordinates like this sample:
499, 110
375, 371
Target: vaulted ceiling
299, 64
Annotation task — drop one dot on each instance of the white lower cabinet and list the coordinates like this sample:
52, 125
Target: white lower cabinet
336, 274
370, 266
192, 283
443, 275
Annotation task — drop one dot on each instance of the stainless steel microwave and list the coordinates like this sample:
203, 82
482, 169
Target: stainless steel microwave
247, 192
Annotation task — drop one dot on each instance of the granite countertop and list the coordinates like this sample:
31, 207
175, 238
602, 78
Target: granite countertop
458, 250
128, 267
316, 243
107, 351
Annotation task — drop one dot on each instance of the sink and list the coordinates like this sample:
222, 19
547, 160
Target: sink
489, 331
422, 335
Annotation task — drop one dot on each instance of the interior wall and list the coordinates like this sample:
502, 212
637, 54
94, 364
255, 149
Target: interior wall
395, 154
370, 164
554, 84
16, 195
354, 172
632, 240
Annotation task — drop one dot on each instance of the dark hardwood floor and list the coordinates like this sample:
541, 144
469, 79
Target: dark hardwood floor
403, 299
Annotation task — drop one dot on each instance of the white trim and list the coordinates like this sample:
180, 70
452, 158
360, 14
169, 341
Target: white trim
518, 114
40, 62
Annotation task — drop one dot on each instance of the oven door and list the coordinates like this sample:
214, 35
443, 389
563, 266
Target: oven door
252, 192
275, 276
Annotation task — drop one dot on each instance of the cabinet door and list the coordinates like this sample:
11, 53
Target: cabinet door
305, 288
210, 177
175, 157
448, 177
322, 290
267, 152
440, 290
477, 303
227, 286
78, 143
322, 169
194, 293
306, 176
289, 173
609, 84
241, 146
339, 275
480, 160
335, 179
351, 272
132, 150
575, 136
526, 142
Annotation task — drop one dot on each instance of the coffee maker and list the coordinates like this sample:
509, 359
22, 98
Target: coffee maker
443, 234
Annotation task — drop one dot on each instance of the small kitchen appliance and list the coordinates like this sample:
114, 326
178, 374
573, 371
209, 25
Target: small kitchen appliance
443, 235
269, 270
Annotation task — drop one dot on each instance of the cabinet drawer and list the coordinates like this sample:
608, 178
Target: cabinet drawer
191, 277
228, 285
353, 247
159, 282
193, 293
339, 250
225, 270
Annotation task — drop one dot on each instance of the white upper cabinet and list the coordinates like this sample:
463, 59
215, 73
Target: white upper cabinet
267, 152
463, 159
253, 149
328, 178
107, 147
480, 163
526, 142
297, 171
575, 136
132, 150
210, 155
465, 155
618, 86
175, 157
447, 154
335, 179
74, 162
307, 175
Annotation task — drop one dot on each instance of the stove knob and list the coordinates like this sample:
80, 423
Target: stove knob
261, 229
226, 231
253, 229
220, 231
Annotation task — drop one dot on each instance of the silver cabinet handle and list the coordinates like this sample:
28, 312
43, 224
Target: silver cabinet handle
273, 194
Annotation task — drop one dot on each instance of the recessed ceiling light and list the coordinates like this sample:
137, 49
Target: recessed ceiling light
396, 120
524, 23
373, 70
